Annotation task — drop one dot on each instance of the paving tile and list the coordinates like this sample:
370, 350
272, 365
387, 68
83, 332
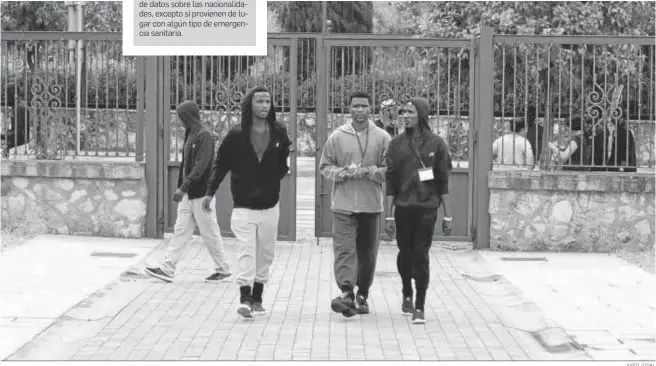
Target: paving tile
190, 320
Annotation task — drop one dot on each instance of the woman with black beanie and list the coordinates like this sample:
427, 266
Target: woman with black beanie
418, 164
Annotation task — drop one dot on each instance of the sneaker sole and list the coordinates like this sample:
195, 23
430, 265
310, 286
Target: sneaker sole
259, 313
339, 307
419, 321
221, 280
405, 313
159, 277
245, 312
349, 313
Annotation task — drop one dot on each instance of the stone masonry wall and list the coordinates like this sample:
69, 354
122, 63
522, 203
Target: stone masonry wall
567, 211
75, 197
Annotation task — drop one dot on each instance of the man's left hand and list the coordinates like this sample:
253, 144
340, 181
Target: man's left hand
177, 196
446, 227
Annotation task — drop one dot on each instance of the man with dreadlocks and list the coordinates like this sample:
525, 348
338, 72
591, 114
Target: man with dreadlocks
255, 153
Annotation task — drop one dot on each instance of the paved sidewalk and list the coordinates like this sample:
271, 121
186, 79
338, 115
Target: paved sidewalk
45, 277
192, 320
606, 304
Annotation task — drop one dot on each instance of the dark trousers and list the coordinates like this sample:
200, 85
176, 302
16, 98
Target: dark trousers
355, 244
414, 236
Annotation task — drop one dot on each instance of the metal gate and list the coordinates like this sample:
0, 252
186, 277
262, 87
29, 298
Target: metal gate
218, 84
442, 71
312, 76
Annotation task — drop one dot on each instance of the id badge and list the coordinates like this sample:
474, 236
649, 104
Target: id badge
426, 174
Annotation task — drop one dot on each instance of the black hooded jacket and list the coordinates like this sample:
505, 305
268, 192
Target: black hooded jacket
403, 164
197, 153
254, 184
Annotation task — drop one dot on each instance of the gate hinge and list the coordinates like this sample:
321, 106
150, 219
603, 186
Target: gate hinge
160, 222
475, 137
473, 233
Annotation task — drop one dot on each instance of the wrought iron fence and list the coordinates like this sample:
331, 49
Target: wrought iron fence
551, 85
67, 94
218, 85
574, 103
438, 70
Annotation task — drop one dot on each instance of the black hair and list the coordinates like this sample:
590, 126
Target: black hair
359, 94
247, 108
517, 125
578, 121
531, 115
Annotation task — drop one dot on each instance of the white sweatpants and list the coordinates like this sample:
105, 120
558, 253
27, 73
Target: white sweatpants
190, 215
257, 232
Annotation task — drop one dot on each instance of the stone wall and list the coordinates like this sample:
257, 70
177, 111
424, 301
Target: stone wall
75, 197
568, 211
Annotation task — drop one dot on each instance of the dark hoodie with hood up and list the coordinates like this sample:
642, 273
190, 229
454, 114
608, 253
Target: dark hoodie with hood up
197, 153
403, 164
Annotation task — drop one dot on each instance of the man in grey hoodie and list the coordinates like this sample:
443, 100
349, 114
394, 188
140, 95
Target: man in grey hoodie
354, 159
195, 172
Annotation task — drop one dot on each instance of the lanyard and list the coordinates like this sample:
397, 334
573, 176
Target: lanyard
414, 148
366, 144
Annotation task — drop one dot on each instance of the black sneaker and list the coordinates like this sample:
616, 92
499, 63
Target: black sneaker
258, 309
245, 310
217, 277
344, 305
363, 306
407, 308
418, 317
159, 274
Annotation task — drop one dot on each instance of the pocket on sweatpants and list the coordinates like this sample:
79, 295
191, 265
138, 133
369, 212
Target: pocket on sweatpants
239, 217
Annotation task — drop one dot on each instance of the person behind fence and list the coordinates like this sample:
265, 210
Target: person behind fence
534, 133
418, 165
513, 149
255, 153
197, 157
621, 148
585, 151
388, 120
18, 133
353, 158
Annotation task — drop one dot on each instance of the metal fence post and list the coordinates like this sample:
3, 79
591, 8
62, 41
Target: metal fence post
141, 85
484, 122
153, 132
322, 131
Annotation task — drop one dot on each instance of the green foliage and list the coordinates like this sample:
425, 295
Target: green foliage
99, 16
305, 16
524, 73
345, 16
464, 19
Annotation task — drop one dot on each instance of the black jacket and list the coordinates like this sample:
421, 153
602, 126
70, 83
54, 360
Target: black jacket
254, 184
197, 153
402, 170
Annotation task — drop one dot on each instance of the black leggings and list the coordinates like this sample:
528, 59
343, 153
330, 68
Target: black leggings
414, 236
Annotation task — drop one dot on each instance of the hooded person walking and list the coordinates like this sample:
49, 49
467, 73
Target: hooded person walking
418, 165
195, 171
